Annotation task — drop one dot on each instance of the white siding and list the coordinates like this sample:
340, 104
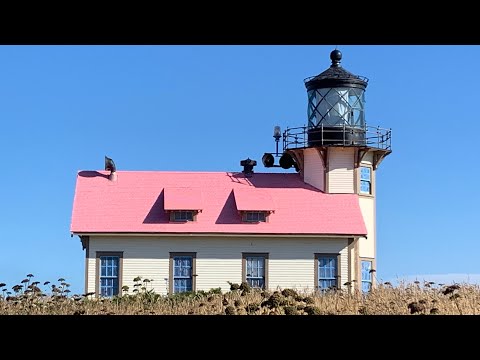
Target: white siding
291, 261
313, 169
367, 246
340, 172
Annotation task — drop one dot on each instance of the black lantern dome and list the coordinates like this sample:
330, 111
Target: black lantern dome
336, 105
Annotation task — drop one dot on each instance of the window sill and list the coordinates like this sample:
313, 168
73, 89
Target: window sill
367, 195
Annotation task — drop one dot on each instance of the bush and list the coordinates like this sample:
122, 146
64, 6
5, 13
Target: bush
289, 292
291, 310
251, 308
274, 301
312, 310
265, 294
245, 287
233, 286
309, 300
230, 310
25, 298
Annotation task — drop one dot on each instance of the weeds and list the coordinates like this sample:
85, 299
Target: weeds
30, 297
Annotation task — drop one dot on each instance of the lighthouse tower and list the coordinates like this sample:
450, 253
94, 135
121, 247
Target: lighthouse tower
338, 153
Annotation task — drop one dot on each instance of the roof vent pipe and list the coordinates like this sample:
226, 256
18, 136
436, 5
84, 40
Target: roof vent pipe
248, 165
110, 166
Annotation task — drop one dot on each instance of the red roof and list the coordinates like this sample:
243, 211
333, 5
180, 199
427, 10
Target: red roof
249, 199
182, 198
135, 203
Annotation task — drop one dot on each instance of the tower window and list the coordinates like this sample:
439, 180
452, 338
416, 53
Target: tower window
367, 277
365, 180
254, 216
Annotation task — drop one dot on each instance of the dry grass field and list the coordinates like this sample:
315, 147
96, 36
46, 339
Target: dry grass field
32, 297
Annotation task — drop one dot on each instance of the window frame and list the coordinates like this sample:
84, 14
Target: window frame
98, 271
173, 212
265, 256
171, 274
359, 180
338, 277
372, 262
245, 220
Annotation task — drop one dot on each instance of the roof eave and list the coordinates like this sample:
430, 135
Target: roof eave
205, 234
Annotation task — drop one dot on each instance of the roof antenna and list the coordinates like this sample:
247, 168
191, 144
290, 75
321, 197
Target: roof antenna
110, 166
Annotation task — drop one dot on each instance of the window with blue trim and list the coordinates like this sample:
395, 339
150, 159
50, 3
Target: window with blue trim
327, 272
365, 180
367, 276
182, 274
109, 274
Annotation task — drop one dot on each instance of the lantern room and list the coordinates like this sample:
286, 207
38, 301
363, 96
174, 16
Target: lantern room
336, 106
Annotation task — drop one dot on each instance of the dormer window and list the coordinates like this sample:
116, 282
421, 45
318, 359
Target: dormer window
254, 216
183, 215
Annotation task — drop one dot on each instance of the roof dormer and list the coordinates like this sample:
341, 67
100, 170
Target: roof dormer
183, 204
254, 205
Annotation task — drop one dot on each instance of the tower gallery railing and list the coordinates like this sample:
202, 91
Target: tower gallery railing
368, 136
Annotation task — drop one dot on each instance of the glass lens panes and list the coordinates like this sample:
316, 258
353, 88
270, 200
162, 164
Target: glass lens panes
182, 273
109, 275
366, 275
255, 267
336, 107
327, 272
356, 102
312, 104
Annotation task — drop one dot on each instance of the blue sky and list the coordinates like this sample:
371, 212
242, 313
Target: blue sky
63, 108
